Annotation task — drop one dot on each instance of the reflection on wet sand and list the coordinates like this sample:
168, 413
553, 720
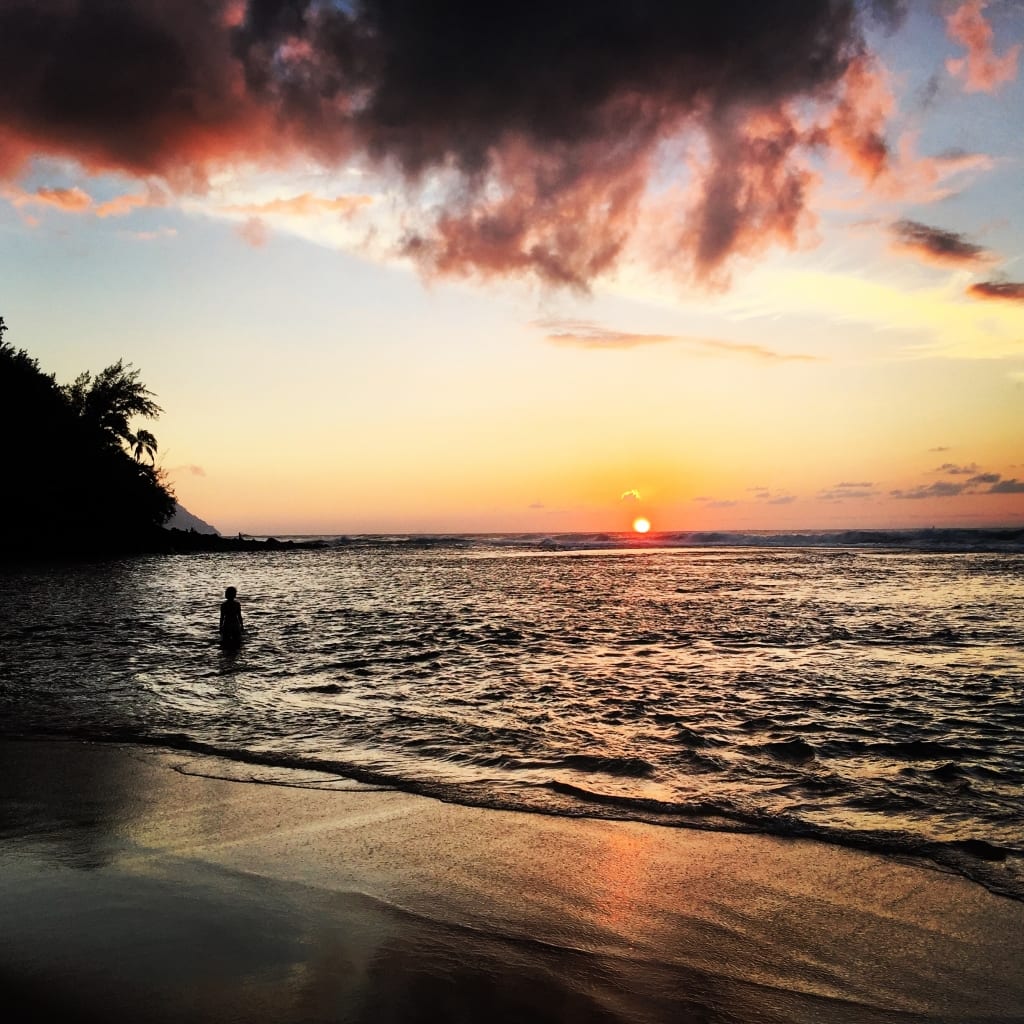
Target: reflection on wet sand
131, 891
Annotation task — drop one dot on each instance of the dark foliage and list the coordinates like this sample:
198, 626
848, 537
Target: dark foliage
75, 475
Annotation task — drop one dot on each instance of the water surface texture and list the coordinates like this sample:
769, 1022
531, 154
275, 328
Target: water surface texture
868, 696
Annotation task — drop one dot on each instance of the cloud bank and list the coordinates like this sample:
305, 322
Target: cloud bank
524, 136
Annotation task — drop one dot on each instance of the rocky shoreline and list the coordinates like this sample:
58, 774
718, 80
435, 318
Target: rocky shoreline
158, 541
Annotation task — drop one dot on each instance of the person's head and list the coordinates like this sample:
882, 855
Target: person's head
230, 593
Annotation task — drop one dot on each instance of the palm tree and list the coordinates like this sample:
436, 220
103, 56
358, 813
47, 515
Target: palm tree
143, 443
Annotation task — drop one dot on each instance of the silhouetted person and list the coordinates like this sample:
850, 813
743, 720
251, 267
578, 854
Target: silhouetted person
230, 618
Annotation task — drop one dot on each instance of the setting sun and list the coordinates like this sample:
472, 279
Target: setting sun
641, 525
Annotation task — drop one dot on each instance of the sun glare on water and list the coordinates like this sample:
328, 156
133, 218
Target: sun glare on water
641, 525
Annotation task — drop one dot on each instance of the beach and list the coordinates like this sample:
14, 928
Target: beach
133, 891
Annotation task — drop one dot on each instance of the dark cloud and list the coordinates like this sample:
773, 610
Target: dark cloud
947, 248
954, 470
545, 118
1008, 291
975, 485
941, 448
1013, 486
942, 489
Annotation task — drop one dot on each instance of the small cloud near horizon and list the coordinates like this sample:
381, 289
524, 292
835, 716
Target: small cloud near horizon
1013, 486
847, 489
975, 485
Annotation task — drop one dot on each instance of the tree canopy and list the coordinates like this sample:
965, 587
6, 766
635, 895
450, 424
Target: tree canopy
80, 476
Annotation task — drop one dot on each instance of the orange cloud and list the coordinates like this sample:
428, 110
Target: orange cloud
305, 205
981, 70
124, 204
68, 200
856, 127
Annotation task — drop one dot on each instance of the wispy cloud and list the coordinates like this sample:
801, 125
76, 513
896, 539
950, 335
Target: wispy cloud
952, 469
304, 205
589, 335
849, 490
150, 236
942, 489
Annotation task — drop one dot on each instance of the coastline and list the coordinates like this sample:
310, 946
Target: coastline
132, 891
157, 541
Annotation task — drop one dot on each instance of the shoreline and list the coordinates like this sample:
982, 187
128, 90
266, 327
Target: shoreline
134, 891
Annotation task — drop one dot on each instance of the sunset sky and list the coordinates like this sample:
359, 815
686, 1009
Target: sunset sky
463, 266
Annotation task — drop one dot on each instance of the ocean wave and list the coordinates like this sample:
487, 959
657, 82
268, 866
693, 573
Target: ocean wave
932, 539
997, 867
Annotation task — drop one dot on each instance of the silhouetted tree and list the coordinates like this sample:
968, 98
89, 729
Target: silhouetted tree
74, 476
110, 400
143, 443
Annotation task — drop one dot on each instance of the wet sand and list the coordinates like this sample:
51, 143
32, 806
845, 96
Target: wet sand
130, 891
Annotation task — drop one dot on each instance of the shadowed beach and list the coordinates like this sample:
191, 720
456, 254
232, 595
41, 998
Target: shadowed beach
133, 891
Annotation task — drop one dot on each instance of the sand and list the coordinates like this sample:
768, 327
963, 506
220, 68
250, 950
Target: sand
130, 891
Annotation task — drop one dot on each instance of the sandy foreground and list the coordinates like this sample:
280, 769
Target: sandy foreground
132, 892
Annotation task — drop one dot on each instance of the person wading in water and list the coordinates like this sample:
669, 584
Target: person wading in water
230, 618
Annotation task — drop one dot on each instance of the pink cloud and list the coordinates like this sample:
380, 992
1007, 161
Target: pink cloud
254, 232
981, 70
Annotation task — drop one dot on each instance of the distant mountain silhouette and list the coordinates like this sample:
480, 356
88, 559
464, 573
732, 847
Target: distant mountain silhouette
182, 519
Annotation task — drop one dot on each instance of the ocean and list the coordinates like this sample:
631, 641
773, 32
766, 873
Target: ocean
865, 689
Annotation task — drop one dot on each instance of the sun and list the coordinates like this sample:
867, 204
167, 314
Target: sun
641, 525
